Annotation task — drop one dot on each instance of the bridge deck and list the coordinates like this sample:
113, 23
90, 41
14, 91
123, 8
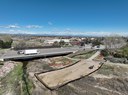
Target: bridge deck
12, 55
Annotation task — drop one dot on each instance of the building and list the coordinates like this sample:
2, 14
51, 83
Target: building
56, 40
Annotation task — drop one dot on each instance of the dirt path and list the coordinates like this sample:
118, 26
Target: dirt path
60, 77
94, 55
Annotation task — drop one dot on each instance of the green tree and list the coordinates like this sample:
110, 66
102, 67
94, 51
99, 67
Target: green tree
55, 43
7, 41
96, 43
1, 43
62, 43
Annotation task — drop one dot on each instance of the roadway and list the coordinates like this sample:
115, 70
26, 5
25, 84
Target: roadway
12, 55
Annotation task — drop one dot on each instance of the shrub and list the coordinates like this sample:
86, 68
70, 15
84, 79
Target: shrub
105, 52
1, 44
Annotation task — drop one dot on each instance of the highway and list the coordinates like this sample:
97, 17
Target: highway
12, 55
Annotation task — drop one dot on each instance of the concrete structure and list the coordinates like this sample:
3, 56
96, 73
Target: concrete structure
12, 55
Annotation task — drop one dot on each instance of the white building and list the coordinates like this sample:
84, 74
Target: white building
56, 40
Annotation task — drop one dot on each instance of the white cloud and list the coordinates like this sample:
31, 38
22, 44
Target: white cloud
27, 32
65, 33
34, 26
76, 33
68, 30
11, 31
12, 26
50, 23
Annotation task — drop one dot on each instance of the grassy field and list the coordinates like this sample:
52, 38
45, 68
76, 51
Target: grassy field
114, 69
84, 55
124, 51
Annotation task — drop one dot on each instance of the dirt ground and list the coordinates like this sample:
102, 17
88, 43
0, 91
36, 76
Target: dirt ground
60, 77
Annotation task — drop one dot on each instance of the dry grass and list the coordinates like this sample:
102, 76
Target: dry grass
114, 69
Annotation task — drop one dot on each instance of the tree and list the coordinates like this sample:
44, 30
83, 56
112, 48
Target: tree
82, 43
61, 43
1, 43
20, 45
7, 42
55, 43
96, 43
87, 40
114, 42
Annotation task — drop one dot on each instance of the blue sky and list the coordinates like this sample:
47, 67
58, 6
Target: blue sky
64, 17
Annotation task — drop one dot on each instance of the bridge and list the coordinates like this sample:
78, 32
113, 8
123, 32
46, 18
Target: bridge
12, 54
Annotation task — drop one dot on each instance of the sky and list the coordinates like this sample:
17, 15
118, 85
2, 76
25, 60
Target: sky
64, 17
